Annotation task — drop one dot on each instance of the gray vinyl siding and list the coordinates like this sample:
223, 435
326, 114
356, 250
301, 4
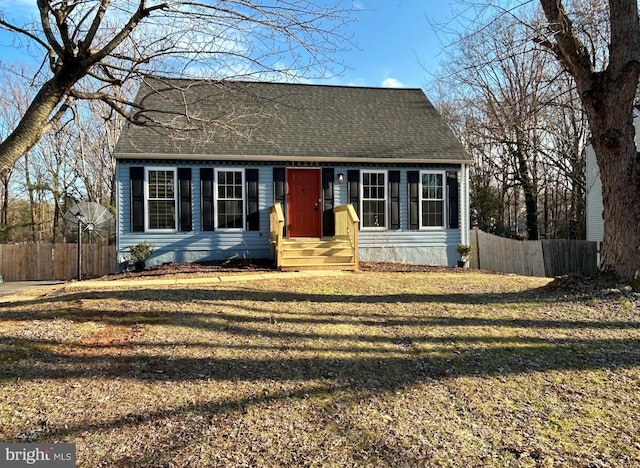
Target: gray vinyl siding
412, 247
425, 247
197, 245
435, 247
595, 223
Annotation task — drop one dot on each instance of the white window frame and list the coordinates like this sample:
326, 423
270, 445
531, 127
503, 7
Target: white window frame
386, 199
147, 199
216, 198
443, 175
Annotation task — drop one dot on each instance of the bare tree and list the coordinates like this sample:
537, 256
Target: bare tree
91, 48
96, 130
74, 161
508, 91
598, 43
607, 92
12, 105
564, 163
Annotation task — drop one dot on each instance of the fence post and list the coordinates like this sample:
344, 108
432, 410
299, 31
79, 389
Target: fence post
474, 261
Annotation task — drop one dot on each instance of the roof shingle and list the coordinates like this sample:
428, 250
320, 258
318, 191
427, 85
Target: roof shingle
188, 119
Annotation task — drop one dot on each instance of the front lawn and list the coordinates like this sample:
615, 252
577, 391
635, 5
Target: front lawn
361, 369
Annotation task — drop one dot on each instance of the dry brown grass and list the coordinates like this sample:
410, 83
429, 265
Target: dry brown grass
369, 369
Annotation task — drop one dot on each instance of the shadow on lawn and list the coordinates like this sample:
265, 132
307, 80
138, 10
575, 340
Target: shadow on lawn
219, 300
242, 293
398, 346
319, 377
390, 352
396, 351
402, 366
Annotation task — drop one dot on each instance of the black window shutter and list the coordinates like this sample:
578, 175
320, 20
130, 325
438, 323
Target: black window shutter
208, 209
328, 218
280, 189
353, 189
413, 183
279, 185
184, 199
136, 175
253, 213
453, 200
394, 199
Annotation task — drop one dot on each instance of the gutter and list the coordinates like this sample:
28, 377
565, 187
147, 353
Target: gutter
291, 159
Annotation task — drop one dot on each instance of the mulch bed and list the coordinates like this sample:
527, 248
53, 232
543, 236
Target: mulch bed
196, 268
239, 266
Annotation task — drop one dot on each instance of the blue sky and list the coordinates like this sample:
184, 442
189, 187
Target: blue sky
395, 44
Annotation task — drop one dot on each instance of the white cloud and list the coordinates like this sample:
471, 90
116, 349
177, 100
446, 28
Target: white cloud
392, 83
19, 10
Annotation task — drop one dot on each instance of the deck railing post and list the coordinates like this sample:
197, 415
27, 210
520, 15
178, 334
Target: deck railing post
347, 226
276, 232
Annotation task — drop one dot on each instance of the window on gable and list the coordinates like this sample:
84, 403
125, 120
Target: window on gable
432, 202
374, 199
161, 199
229, 199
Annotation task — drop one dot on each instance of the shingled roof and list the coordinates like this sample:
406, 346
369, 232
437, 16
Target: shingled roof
234, 120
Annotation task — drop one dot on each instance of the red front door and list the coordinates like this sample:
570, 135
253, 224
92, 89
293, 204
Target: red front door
304, 202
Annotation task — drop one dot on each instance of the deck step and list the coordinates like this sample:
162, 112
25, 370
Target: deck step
327, 266
317, 254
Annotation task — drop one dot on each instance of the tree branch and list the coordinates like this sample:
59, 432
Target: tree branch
568, 48
44, 8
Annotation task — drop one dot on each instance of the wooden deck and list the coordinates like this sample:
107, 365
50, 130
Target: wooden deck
339, 252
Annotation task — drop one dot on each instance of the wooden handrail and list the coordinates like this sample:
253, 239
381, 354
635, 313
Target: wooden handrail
276, 232
347, 226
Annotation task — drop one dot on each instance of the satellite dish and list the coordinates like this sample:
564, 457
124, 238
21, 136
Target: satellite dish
86, 221
93, 220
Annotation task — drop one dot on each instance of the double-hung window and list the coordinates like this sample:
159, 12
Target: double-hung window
161, 199
374, 199
229, 198
432, 202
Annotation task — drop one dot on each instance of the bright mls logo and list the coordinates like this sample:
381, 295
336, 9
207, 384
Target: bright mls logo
38, 455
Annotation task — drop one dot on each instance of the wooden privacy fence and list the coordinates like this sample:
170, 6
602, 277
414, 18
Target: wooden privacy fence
46, 261
549, 257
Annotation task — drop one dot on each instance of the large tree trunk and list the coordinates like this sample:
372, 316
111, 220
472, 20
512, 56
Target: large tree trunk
613, 142
607, 97
608, 101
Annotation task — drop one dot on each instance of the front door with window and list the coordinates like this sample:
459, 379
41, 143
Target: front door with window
304, 202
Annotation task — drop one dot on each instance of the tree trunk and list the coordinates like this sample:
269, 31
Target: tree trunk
529, 190
531, 206
619, 170
609, 108
608, 97
35, 123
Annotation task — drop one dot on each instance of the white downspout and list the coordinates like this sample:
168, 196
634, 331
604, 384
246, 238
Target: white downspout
465, 220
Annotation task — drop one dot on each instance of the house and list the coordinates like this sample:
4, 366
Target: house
594, 207
215, 164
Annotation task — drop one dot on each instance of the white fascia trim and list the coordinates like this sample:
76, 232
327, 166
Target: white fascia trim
290, 159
